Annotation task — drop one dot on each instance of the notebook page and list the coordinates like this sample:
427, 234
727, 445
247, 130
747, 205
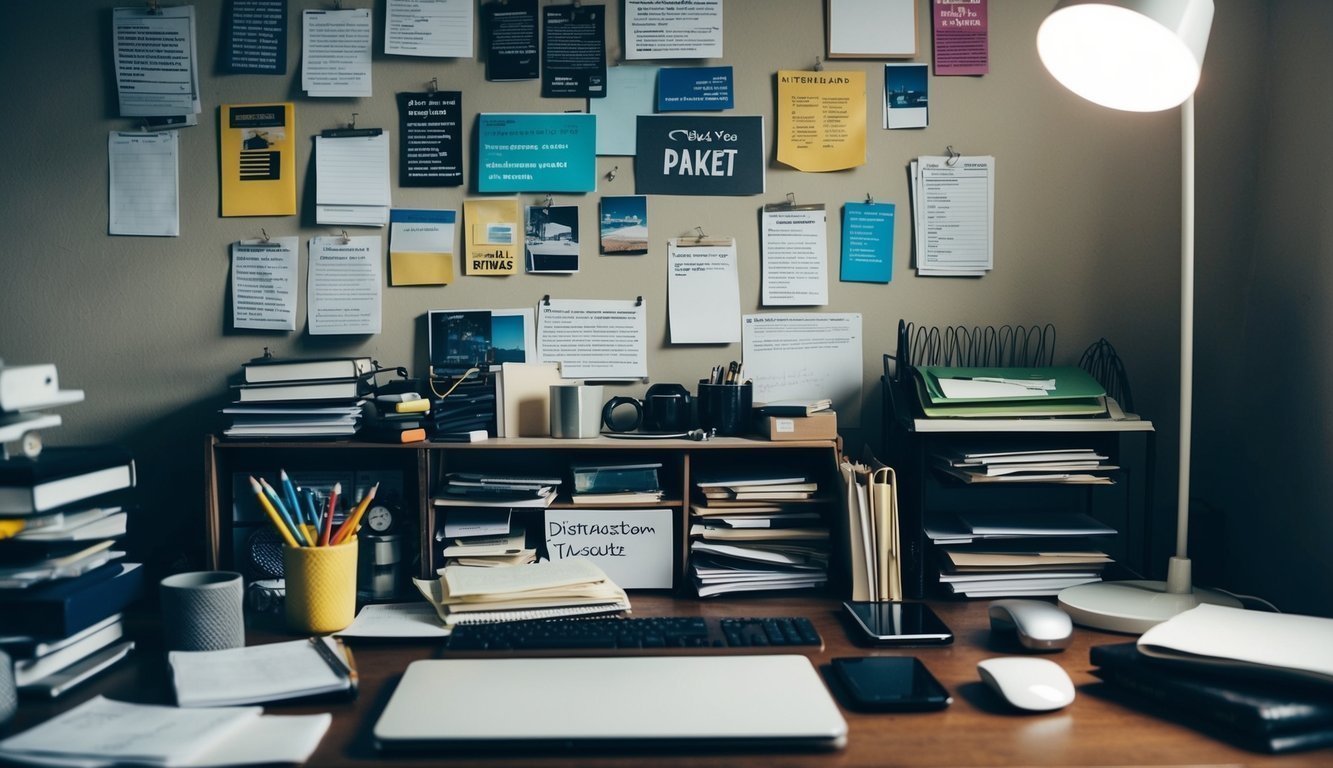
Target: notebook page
144, 195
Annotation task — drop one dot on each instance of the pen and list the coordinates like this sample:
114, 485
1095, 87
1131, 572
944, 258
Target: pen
286, 515
348, 528
273, 514
328, 517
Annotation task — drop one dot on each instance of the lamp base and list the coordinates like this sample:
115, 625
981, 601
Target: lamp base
1133, 606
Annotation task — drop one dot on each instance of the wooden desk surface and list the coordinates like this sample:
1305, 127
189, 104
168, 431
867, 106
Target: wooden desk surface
977, 729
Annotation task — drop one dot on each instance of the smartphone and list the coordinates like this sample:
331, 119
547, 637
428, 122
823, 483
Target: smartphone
890, 684
897, 623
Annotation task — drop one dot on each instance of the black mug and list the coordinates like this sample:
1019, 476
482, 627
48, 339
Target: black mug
664, 408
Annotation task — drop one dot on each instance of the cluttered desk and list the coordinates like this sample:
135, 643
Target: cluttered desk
976, 727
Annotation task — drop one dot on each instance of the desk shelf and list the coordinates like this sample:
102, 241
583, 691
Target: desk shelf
421, 468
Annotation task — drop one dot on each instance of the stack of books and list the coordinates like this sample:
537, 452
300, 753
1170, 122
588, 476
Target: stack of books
63, 584
573, 587
1074, 466
317, 397
1262, 681
398, 418
758, 533
616, 484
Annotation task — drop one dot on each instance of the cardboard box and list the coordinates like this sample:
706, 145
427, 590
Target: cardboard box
817, 426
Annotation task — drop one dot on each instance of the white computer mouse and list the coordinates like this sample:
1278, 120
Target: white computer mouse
1032, 684
1036, 625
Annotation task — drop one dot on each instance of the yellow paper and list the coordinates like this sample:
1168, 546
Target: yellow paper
258, 159
492, 234
821, 119
409, 268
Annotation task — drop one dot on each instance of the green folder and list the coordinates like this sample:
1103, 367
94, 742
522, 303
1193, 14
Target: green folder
1076, 393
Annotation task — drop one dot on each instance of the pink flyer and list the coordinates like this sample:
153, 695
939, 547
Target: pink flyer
962, 40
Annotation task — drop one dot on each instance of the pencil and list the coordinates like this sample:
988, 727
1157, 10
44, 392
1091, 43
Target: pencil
289, 496
273, 514
348, 528
328, 518
286, 515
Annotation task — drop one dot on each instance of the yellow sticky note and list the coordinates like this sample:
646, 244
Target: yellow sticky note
821, 119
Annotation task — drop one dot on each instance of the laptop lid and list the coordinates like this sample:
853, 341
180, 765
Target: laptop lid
632, 701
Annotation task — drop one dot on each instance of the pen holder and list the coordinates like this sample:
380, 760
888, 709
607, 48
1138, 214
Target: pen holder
203, 611
725, 408
321, 587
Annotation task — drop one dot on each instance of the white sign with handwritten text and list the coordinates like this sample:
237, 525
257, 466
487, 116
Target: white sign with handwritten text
633, 546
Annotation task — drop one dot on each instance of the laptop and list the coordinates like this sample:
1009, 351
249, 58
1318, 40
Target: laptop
625, 701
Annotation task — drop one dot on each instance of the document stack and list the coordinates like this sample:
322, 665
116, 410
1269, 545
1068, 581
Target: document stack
616, 484
477, 517
101, 731
758, 533
318, 397
870, 497
63, 584
1074, 466
1262, 681
1002, 393
573, 587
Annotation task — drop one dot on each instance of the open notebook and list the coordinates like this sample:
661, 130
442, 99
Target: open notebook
686, 701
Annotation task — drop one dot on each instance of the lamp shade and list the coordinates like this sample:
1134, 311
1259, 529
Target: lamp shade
1132, 55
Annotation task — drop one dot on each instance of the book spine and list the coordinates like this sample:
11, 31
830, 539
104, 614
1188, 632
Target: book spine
63, 616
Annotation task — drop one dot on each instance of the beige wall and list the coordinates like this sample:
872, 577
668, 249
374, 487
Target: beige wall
1087, 225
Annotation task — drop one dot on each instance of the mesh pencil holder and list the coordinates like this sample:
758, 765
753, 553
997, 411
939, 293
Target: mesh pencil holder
321, 587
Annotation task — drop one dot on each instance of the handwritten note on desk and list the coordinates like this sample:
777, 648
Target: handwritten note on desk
144, 196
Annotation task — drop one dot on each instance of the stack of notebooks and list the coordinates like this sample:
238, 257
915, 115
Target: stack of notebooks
758, 533
1073, 466
616, 484
1000, 393
318, 397
1261, 681
466, 407
63, 584
572, 587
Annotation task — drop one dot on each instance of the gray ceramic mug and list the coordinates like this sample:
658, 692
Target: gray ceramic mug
9, 695
203, 611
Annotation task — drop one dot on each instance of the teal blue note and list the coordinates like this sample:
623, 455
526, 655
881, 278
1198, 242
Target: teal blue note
537, 152
867, 242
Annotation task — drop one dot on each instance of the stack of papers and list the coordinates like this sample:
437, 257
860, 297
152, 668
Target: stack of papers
472, 595
953, 215
1081, 466
758, 533
262, 673
1019, 570
997, 393
103, 732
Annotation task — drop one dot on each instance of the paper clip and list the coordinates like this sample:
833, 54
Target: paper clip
869, 200
701, 235
953, 156
434, 85
346, 238
819, 65
263, 234
547, 204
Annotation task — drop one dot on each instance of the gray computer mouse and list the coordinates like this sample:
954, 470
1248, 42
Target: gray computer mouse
1036, 625
1035, 685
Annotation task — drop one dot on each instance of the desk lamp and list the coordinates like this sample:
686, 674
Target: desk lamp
1141, 56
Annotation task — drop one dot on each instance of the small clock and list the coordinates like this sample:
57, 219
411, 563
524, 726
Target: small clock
381, 518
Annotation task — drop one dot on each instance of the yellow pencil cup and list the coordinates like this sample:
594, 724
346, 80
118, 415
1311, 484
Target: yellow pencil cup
321, 587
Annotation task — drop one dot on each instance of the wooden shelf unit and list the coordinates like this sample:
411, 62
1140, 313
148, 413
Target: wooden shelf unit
424, 465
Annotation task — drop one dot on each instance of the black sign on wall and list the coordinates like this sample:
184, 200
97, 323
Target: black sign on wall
699, 155
431, 148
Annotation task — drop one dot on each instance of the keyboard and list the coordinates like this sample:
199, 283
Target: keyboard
635, 636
